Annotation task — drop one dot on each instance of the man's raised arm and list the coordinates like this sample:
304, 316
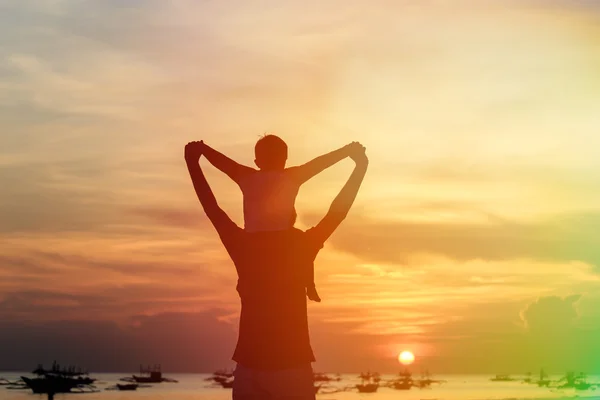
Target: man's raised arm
304, 172
225, 164
217, 216
343, 201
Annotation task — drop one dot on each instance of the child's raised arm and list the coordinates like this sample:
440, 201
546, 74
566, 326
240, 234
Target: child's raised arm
221, 221
225, 164
306, 171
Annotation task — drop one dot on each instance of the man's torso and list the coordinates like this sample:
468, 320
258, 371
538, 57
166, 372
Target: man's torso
271, 270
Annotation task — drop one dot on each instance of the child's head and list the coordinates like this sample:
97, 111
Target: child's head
270, 153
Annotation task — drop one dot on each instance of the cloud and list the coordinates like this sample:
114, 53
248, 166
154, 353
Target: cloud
468, 340
186, 219
563, 238
186, 342
54, 197
113, 302
52, 69
103, 281
558, 331
550, 315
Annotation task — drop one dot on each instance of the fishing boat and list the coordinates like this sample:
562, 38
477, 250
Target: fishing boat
149, 375
223, 373
127, 386
404, 382
59, 380
502, 378
49, 385
367, 387
426, 380
321, 377
573, 381
227, 384
222, 377
369, 382
543, 382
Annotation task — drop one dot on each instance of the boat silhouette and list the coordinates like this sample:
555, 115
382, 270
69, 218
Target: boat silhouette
575, 381
369, 382
543, 382
149, 375
403, 382
127, 386
59, 380
502, 378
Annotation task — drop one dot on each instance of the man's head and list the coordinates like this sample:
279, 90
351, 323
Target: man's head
270, 153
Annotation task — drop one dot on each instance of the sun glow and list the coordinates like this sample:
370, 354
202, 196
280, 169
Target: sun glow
406, 358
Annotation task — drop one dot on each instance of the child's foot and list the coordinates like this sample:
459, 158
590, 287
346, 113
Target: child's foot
312, 294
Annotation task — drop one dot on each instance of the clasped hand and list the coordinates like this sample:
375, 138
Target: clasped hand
193, 150
357, 152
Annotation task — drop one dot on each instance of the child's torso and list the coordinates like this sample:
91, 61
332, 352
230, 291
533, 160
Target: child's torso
269, 198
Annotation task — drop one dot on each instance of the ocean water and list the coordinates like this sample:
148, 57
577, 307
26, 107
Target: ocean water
195, 387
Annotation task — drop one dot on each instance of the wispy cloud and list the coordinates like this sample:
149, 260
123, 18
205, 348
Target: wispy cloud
563, 238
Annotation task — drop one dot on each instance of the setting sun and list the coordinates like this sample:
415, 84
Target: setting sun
406, 358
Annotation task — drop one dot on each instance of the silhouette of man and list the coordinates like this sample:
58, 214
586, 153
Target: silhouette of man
273, 352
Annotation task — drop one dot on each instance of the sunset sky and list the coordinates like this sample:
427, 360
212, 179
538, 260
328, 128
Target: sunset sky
474, 242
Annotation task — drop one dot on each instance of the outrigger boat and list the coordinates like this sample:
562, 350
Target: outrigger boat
426, 380
127, 386
149, 375
57, 380
543, 382
369, 382
223, 378
502, 378
321, 377
404, 382
573, 381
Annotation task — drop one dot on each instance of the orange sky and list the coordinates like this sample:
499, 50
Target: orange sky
475, 232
